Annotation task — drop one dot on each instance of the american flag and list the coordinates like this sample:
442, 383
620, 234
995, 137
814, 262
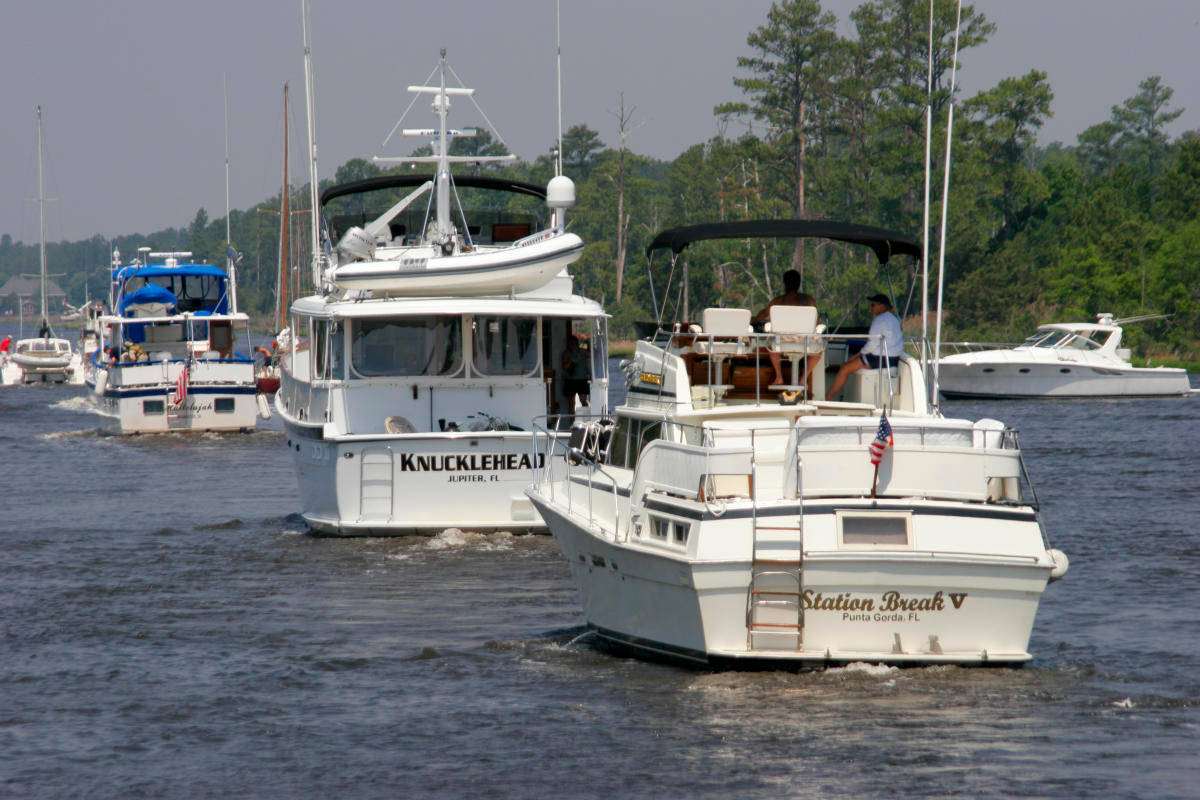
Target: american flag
883, 438
181, 386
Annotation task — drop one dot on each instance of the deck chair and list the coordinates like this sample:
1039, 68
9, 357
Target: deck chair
724, 334
797, 336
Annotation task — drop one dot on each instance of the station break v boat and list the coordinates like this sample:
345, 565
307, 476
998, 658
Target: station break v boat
434, 341
713, 523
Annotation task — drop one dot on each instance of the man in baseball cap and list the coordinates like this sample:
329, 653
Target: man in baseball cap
885, 343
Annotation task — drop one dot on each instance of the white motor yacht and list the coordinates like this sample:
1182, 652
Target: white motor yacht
1077, 359
167, 359
415, 372
717, 522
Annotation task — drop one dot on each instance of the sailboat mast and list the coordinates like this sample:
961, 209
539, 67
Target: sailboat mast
42, 215
314, 223
230, 262
281, 288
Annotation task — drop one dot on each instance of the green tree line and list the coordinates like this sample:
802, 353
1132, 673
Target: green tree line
824, 126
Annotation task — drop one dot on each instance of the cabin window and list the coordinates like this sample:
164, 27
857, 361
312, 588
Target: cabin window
223, 405
505, 345
152, 407
629, 437
669, 530
430, 346
327, 346
874, 530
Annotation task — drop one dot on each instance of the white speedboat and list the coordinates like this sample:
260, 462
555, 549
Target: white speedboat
168, 358
1079, 359
414, 375
709, 522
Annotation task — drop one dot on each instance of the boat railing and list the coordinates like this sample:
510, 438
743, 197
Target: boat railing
588, 455
955, 348
721, 347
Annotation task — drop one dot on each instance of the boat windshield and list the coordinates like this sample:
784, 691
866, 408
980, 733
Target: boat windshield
406, 346
505, 345
1047, 339
1082, 342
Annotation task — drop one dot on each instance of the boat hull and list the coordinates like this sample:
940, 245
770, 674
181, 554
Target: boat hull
1057, 379
412, 483
523, 267
140, 398
902, 608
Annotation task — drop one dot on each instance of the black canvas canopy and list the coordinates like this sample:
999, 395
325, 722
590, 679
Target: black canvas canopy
885, 243
403, 181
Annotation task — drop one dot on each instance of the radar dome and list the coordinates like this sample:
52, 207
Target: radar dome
560, 192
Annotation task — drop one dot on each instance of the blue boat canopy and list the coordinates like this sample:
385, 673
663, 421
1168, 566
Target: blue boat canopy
150, 293
199, 289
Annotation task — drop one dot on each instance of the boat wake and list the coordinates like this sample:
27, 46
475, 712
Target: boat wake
75, 404
457, 539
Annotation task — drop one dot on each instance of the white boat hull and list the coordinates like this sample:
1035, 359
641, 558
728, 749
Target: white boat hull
979, 378
140, 397
901, 608
522, 267
412, 483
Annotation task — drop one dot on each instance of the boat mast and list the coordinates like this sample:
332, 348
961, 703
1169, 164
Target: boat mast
314, 223
558, 65
45, 330
230, 253
925, 223
281, 287
442, 105
937, 343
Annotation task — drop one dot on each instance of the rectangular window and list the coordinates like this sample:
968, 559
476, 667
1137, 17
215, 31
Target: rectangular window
505, 346
223, 405
430, 346
152, 407
878, 530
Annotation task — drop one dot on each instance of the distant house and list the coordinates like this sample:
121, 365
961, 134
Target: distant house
27, 289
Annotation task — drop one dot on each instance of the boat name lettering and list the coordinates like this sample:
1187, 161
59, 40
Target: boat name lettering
191, 408
887, 602
414, 263
475, 462
651, 377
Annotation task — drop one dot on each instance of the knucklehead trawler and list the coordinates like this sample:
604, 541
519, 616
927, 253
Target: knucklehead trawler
168, 359
1075, 359
720, 521
436, 338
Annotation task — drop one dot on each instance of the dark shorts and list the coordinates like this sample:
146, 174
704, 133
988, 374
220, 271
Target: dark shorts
874, 362
576, 386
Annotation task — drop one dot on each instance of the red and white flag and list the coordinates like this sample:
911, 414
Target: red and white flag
181, 386
883, 438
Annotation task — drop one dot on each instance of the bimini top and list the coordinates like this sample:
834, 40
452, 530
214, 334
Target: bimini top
885, 243
156, 270
402, 181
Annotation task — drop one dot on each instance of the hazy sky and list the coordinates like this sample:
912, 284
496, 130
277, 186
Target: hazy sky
133, 104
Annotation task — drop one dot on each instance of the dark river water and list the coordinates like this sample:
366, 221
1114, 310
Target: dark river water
170, 630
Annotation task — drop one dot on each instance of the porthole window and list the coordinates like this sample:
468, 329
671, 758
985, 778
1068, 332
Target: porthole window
1024, 369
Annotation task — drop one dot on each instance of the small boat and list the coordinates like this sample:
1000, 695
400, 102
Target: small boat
45, 358
410, 383
1077, 359
717, 522
168, 357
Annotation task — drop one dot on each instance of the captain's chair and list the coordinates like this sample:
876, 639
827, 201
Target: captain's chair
724, 334
797, 337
